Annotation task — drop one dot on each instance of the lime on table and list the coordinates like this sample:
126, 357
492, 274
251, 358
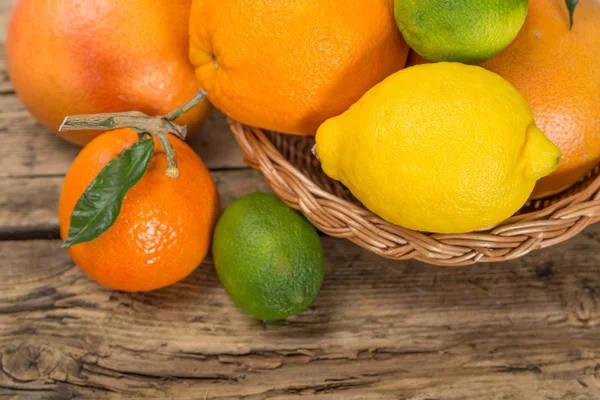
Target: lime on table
467, 31
268, 257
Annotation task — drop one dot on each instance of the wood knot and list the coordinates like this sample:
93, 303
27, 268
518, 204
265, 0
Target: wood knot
585, 307
27, 362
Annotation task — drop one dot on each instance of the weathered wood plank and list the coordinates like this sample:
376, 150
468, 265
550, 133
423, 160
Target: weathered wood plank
29, 149
28, 206
378, 330
5, 6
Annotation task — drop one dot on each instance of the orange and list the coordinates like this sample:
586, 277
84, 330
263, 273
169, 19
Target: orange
164, 229
557, 70
69, 57
290, 65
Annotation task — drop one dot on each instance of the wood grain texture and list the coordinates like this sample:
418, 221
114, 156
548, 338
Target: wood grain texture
5, 6
28, 149
526, 329
29, 205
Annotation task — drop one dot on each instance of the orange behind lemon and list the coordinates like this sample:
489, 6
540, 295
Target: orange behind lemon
69, 57
558, 72
164, 229
290, 65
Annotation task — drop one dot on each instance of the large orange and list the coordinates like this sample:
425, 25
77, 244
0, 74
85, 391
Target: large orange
91, 56
558, 71
290, 65
164, 229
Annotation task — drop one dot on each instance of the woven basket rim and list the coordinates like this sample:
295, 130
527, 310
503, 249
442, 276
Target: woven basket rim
338, 217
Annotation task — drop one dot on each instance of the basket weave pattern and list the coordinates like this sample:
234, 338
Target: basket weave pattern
294, 174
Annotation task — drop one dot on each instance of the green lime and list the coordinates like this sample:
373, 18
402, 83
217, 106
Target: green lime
467, 31
268, 257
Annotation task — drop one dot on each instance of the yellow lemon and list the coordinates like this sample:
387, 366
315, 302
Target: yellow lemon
445, 147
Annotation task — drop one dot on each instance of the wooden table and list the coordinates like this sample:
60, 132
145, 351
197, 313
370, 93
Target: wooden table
526, 329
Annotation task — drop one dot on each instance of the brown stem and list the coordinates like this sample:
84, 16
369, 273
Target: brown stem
197, 99
134, 120
172, 171
159, 126
143, 135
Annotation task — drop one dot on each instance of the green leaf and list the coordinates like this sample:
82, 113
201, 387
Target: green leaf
571, 4
99, 206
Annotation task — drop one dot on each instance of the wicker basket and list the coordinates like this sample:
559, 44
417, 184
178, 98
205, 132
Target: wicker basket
294, 174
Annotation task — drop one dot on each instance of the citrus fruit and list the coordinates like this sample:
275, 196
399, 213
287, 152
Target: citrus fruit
164, 229
556, 69
467, 31
268, 257
289, 65
68, 57
445, 147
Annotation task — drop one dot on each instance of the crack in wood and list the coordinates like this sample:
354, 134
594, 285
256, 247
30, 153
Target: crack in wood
152, 377
519, 369
29, 233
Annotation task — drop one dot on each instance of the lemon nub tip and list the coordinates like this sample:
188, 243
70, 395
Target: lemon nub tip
540, 156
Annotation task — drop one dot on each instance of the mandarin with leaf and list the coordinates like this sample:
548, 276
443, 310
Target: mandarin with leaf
162, 229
